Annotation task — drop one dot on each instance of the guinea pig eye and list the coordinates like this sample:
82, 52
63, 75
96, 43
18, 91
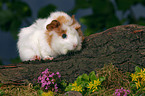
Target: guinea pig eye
64, 36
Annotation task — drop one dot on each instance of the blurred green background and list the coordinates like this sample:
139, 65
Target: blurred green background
15, 14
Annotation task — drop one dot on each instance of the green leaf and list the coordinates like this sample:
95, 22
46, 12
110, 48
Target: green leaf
141, 21
137, 69
68, 88
101, 79
85, 77
5, 16
83, 84
92, 76
112, 21
63, 83
37, 87
14, 28
142, 2
133, 85
20, 8
1, 93
93, 24
1, 5
45, 11
40, 92
100, 7
79, 80
4, 1
124, 5
1, 84
79, 4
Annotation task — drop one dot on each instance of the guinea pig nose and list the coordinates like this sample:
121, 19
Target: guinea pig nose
74, 45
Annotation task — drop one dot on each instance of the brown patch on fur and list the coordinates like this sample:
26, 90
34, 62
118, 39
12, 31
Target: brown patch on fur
56, 27
77, 27
49, 38
60, 32
74, 21
80, 34
53, 25
62, 19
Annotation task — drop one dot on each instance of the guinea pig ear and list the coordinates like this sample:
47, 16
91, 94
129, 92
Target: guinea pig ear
54, 24
75, 24
73, 18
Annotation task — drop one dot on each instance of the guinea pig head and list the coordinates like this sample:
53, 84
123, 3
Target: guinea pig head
63, 38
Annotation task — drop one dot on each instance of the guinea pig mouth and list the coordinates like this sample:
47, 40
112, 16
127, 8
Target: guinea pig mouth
69, 49
73, 48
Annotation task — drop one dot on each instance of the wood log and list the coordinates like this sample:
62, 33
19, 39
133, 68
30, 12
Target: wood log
123, 46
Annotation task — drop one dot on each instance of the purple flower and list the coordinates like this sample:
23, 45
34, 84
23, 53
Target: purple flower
51, 75
46, 71
55, 86
39, 78
44, 76
121, 92
58, 74
46, 87
52, 81
49, 80
128, 91
43, 84
56, 90
48, 83
42, 81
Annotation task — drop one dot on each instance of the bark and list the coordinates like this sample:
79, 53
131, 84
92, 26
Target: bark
123, 46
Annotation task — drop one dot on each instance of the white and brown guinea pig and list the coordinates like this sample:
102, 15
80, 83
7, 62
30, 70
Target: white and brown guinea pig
50, 37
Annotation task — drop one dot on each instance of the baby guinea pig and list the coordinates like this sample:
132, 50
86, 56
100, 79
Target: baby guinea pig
50, 37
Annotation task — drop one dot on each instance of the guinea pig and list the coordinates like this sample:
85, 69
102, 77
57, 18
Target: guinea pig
50, 37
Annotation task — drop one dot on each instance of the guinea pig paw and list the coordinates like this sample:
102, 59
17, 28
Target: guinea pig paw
35, 58
48, 58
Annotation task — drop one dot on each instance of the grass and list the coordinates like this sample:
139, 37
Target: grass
115, 79
13, 90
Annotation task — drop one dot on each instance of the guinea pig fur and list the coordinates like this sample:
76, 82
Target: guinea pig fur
47, 38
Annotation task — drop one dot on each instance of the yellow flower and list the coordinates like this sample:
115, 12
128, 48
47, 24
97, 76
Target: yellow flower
143, 78
97, 82
137, 84
95, 89
134, 77
142, 74
143, 69
74, 84
90, 85
93, 85
76, 87
49, 93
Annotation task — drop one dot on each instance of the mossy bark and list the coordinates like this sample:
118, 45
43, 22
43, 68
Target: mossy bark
123, 46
